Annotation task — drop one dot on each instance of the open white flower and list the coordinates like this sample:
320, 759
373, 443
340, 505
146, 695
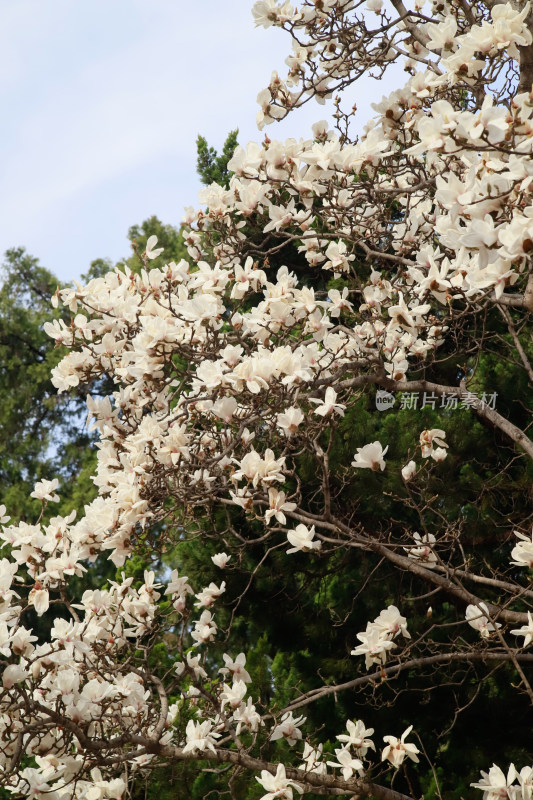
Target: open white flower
371, 456
290, 420
278, 786
356, 737
374, 646
200, 736
398, 749
329, 405
46, 490
347, 763
288, 728
495, 784
236, 668
278, 504
313, 760
151, 250
302, 538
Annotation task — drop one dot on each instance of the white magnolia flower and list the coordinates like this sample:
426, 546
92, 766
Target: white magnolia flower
39, 599
246, 716
371, 456
391, 623
313, 760
409, 471
235, 668
200, 736
220, 560
439, 454
277, 506
495, 784
278, 786
478, 617
398, 749
522, 552
290, 420
46, 490
525, 779
329, 404
347, 763
428, 439
288, 728
374, 646
193, 663
356, 737
207, 596
526, 630
151, 250
233, 695
423, 551
302, 538
12, 674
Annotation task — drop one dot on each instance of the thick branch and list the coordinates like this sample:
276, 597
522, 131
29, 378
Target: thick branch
319, 784
394, 670
412, 27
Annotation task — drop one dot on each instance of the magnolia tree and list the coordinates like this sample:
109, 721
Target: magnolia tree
332, 267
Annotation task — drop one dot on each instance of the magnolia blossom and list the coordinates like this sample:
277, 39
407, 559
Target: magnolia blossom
423, 550
46, 490
39, 598
207, 596
220, 560
391, 623
288, 728
278, 504
347, 763
398, 749
526, 630
428, 439
204, 629
525, 780
236, 668
302, 538
151, 250
278, 785
329, 404
233, 695
495, 784
409, 471
200, 736
290, 420
478, 617
356, 737
312, 759
246, 716
522, 553
374, 646
371, 456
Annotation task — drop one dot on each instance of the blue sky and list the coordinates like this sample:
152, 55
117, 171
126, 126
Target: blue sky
103, 100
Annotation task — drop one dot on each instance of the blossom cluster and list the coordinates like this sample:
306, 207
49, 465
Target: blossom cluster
376, 641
